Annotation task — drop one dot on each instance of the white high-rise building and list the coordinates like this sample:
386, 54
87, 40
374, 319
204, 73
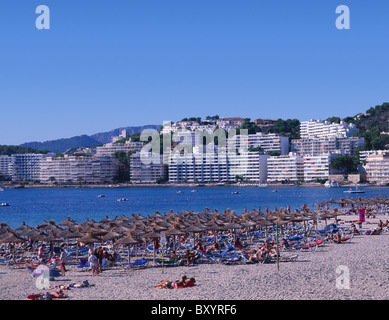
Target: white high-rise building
377, 168
325, 129
217, 167
317, 167
285, 168
77, 169
318, 146
271, 142
5, 167
26, 167
148, 170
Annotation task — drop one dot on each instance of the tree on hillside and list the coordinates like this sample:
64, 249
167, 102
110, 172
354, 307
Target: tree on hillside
346, 163
124, 159
289, 127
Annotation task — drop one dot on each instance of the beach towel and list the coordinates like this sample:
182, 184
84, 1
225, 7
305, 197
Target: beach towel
42, 296
168, 284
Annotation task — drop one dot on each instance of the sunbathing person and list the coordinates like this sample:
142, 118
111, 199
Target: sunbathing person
169, 284
254, 257
337, 238
189, 257
173, 257
354, 229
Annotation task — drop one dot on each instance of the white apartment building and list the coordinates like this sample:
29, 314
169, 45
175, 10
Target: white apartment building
251, 166
271, 142
287, 167
364, 154
197, 167
318, 146
317, 167
325, 129
148, 170
26, 167
73, 169
109, 148
207, 126
214, 167
377, 168
5, 166
229, 123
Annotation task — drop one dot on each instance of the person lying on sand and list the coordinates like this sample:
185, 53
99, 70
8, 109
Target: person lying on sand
376, 231
354, 229
183, 283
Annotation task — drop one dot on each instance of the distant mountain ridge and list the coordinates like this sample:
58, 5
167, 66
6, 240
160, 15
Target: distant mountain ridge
61, 145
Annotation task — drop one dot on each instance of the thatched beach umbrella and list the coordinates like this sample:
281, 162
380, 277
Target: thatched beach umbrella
153, 235
72, 234
175, 230
68, 223
12, 237
89, 239
128, 240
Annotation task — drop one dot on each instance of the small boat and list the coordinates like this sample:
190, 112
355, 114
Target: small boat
236, 192
179, 191
331, 184
275, 190
101, 196
193, 190
4, 204
122, 199
354, 191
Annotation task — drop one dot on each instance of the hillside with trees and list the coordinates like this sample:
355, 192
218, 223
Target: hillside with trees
10, 150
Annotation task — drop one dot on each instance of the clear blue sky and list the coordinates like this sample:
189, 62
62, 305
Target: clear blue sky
108, 64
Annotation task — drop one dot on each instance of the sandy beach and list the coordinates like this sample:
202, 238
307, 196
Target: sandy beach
313, 276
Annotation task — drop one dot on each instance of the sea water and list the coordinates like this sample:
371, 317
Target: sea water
33, 206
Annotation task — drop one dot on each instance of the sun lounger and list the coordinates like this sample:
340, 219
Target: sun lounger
227, 259
139, 263
292, 258
217, 255
84, 265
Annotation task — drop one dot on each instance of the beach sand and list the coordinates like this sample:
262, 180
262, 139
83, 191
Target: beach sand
312, 277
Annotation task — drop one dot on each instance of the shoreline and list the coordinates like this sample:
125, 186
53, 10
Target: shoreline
178, 185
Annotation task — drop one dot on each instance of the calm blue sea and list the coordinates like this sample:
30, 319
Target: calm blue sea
35, 205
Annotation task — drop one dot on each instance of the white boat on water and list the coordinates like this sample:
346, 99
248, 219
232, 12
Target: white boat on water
4, 204
122, 199
331, 184
356, 190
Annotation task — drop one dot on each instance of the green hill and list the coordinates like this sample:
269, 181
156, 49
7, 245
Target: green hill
61, 145
10, 150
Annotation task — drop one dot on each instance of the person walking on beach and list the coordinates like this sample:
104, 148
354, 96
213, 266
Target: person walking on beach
62, 260
40, 253
93, 263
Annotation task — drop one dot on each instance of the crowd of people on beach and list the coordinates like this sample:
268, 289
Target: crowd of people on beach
259, 240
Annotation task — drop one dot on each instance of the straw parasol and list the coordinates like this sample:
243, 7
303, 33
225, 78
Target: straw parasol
128, 240
111, 235
154, 235
67, 223
89, 239
12, 237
